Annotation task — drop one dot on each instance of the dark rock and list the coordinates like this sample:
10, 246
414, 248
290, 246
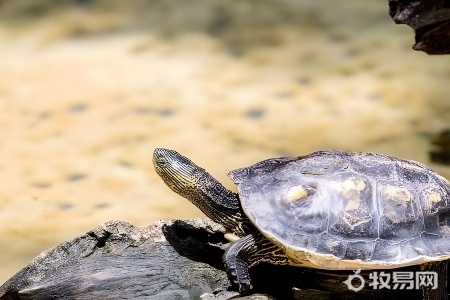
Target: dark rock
430, 20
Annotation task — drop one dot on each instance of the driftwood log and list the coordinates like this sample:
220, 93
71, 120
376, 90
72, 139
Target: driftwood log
430, 20
178, 260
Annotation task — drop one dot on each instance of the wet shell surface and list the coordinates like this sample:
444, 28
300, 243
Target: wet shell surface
349, 210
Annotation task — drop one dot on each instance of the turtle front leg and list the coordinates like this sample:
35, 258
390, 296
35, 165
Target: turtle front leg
246, 252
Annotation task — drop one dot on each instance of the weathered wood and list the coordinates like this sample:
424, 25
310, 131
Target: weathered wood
430, 20
300, 294
441, 292
120, 261
172, 260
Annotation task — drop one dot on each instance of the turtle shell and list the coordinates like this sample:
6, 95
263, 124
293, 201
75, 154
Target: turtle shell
347, 210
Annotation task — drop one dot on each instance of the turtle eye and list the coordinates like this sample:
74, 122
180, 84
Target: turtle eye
161, 160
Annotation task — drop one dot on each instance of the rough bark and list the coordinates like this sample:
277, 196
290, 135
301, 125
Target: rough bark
174, 260
430, 20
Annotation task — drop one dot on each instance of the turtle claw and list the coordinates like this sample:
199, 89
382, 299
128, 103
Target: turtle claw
220, 294
221, 290
235, 296
244, 289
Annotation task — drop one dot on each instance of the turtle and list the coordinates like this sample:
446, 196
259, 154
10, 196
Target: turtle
330, 209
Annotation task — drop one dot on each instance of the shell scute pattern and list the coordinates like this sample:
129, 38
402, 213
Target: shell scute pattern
354, 211
329, 244
363, 207
436, 244
385, 249
360, 250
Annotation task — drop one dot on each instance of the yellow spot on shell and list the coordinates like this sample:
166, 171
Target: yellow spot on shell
296, 193
353, 183
430, 203
397, 194
351, 189
397, 204
434, 197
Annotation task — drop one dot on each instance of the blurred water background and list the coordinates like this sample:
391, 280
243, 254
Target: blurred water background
89, 88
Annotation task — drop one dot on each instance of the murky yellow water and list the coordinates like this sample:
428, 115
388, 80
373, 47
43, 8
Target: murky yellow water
88, 90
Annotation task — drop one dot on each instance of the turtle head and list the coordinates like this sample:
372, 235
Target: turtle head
195, 184
177, 171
